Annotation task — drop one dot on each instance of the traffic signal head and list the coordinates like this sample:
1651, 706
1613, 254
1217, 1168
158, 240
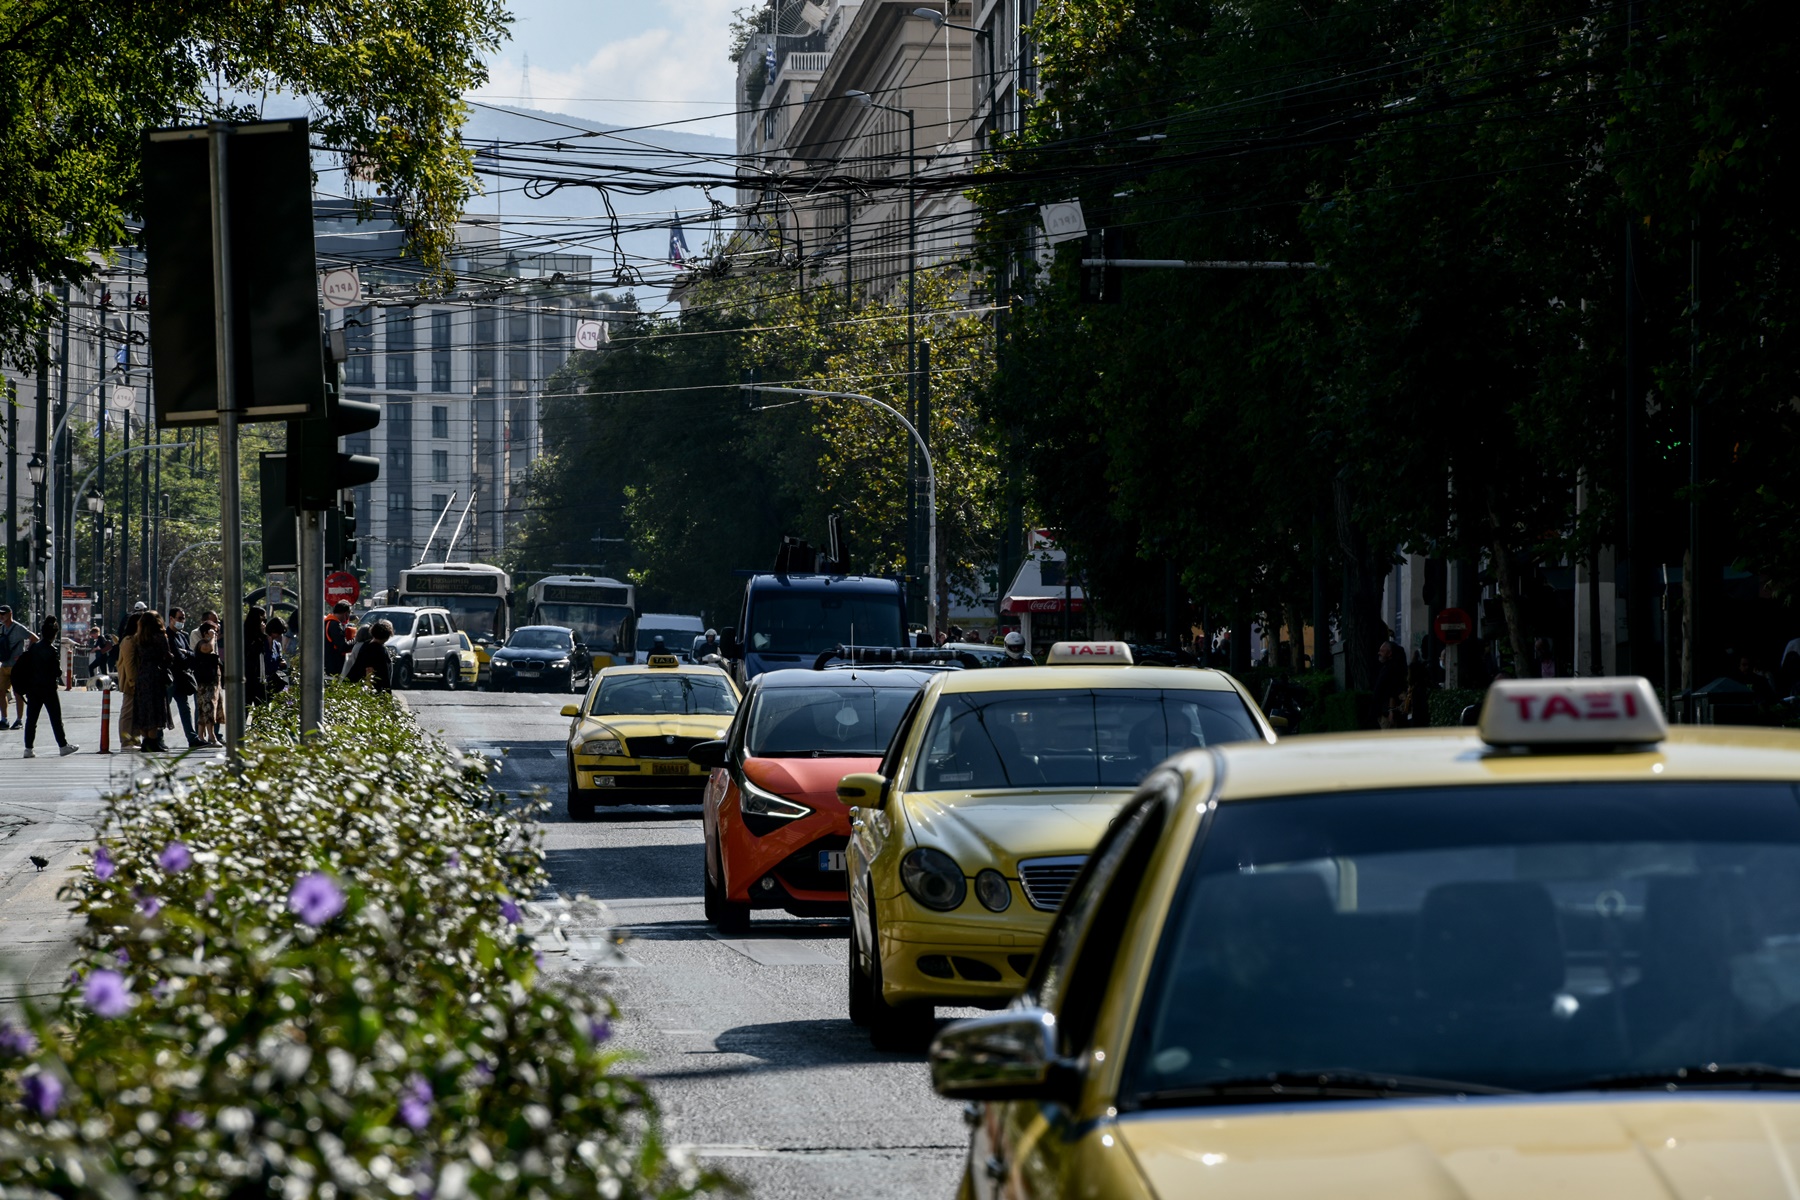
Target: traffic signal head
321, 469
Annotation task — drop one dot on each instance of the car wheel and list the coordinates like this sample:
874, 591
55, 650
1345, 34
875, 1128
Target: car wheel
403, 674
899, 1027
452, 674
725, 916
581, 806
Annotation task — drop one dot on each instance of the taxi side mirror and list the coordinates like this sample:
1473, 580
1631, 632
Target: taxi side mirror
1003, 1056
1279, 724
710, 755
862, 790
570, 710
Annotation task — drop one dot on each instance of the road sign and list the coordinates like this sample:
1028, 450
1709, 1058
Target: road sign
342, 585
1062, 222
1452, 626
587, 335
341, 288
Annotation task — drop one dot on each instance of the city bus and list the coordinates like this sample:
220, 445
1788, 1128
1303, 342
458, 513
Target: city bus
601, 611
479, 597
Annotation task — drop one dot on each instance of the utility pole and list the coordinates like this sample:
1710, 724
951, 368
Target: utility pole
225, 363
101, 596
40, 520
59, 464
924, 423
12, 494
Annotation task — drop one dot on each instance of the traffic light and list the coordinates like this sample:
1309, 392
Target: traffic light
345, 546
320, 469
1102, 284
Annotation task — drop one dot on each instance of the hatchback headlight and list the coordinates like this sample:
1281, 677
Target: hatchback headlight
758, 803
603, 745
933, 879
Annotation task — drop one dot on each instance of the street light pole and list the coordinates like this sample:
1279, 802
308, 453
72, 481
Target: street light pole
36, 470
931, 572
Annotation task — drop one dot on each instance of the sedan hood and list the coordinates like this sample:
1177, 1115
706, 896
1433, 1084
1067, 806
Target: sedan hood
1002, 828
513, 654
1576, 1149
812, 781
706, 727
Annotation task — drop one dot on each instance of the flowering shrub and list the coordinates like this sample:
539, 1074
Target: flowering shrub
309, 976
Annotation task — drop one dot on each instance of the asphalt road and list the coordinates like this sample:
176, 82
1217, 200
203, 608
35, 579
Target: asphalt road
745, 1041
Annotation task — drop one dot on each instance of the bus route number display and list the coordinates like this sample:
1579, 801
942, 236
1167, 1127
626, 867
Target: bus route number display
454, 585
562, 593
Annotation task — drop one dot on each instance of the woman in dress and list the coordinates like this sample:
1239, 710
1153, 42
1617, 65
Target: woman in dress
127, 651
209, 700
150, 694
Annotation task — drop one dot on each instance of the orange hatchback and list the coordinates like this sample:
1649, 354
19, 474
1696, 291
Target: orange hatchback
775, 828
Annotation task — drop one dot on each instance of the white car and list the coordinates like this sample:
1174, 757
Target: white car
425, 643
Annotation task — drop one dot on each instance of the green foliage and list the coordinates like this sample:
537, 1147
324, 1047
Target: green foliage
1447, 704
407, 1044
655, 442
382, 80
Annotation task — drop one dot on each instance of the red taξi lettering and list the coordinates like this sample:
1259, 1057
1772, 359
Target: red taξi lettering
1558, 706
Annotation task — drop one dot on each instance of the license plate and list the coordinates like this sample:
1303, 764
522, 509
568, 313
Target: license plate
831, 860
669, 768
529, 670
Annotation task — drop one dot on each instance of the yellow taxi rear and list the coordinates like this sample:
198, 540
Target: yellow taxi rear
1555, 957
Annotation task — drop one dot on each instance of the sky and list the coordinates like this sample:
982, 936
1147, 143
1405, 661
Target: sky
624, 62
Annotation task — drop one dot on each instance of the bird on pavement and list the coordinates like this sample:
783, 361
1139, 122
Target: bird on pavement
40, 862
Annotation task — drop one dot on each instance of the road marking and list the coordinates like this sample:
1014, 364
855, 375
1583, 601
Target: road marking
778, 952
820, 1152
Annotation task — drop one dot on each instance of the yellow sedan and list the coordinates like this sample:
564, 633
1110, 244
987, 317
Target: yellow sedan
1557, 957
995, 788
630, 735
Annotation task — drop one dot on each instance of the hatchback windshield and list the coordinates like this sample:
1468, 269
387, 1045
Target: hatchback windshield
1513, 937
846, 720
1074, 737
538, 639
663, 695
810, 622
401, 621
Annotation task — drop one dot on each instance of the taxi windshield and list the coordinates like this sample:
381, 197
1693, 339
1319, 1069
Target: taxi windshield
1530, 938
1071, 737
846, 720
653, 694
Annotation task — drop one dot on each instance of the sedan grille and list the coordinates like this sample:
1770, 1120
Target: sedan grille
661, 746
1046, 880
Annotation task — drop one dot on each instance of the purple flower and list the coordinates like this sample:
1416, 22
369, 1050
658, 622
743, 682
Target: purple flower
599, 1029
43, 1094
107, 994
189, 1120
510, 911
174, 858
15, 1039
123, 957
149, 905
103, 864
415, 1103
455, 859
316, 898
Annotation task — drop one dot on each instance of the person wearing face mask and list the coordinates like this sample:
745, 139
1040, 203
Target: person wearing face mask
181, 673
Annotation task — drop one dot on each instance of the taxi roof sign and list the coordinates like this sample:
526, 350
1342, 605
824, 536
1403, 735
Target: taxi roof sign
662, 660
1066, 654
1621, 711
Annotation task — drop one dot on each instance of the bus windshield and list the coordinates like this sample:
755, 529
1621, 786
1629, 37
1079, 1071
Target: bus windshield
599, 627
478, 616
808, 622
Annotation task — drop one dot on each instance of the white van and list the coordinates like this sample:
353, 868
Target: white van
677, 631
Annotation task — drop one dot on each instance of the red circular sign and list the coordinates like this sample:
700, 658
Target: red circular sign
1452, 626
341, 585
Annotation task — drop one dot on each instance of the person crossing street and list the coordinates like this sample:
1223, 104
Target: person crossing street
39, 672
14, 638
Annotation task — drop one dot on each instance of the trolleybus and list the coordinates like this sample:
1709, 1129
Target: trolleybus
479, 597
601, 611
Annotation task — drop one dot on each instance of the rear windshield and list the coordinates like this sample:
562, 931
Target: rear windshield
401, 621
809, 622
1074, 737
1522, 937
539, 639
663, 695
846, 720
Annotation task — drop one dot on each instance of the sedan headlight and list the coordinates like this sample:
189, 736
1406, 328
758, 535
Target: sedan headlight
758, 803
933, 879
561, 662
611, 744
992, 890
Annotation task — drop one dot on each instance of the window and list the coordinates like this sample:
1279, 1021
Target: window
400, 375
439, 501
551, 334
399, 427
359, 346
485, 336
399, 502
440, 420
518, 326
440, 466
440, 331
440, 371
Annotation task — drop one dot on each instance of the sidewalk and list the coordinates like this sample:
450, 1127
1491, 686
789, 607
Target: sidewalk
48, 806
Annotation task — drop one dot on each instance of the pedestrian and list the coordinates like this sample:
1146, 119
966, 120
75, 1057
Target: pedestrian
1015, 651
209, 699
356, 644
1543, 659
38, 671
372, 660
256, 655
275, 668
337, 637
14, 638
126, 674
1390, 685
98, 643
155, 670
182, 685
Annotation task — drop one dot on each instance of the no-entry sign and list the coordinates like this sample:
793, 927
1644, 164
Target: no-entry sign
1452, 626
341, 585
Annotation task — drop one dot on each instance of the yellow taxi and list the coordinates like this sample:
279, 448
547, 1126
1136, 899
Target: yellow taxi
1557, 957
995, 787
629, 737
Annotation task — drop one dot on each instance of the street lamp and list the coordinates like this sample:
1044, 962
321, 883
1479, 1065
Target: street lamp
937, 18
931, 572
35, 468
